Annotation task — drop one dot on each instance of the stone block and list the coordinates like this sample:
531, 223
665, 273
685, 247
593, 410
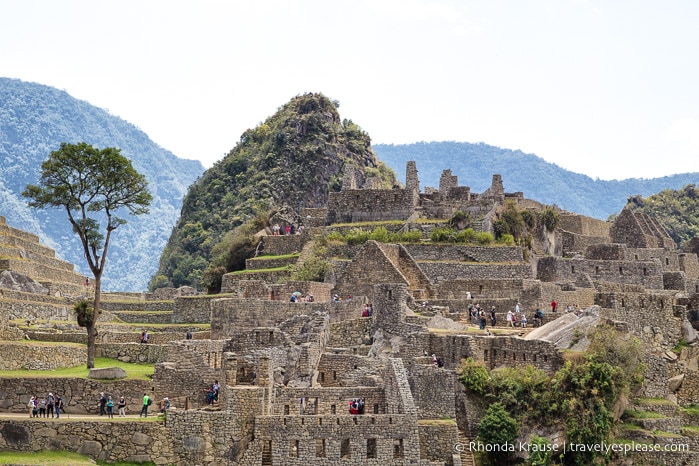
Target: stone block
107, 373
90, 448
674, 383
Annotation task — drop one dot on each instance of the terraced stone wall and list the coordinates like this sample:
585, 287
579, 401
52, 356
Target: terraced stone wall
17, 356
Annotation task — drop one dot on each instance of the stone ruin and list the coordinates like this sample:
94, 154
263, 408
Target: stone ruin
288, 370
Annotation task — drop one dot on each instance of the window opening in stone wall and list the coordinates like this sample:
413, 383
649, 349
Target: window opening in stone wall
376, 409
546, 358
322, 377
257, 337
371, 448
315, 407
345, 448
524, 357
302, 420
623, 303
480, 289
334, 375
572, 269
596, 269
271, 337
390, 420
485, 355
514, 356
667, 261
645, 271
621, 271
355, 367
286, 410
294, 449
320, 421
635, 256
398, 448
534, 357
390, 294
284, 421
320, 448
332, 409
495, 354
355, 420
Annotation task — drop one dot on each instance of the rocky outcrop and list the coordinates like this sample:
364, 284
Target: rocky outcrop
19, 282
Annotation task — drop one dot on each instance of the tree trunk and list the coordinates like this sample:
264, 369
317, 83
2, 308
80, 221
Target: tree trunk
91, 329
91, 334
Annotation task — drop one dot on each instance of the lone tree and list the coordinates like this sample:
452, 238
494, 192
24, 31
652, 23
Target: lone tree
92, 185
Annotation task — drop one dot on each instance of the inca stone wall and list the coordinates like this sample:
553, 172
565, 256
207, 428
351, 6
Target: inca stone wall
340, 369
645, 273
80, 396
36, 356
121, 441
449, 252
229, 315
433, 391
368, 205
283, 244
445, 271
437, 441
349, 333
327, 401
581, 225
193, 309
133, 352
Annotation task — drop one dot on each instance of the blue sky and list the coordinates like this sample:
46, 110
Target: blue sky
604, 88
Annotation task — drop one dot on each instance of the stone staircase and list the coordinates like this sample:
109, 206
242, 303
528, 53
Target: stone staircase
467, 458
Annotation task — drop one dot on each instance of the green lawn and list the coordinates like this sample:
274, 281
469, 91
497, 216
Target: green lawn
44, 457
133, 371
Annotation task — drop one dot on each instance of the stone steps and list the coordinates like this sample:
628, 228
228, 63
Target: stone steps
467, 458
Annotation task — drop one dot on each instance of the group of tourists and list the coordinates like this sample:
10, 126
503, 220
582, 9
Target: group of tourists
289, 229
107, 405
212, 393
144, 336
356, 406
519, 317
298, 297
43, 407
367, 310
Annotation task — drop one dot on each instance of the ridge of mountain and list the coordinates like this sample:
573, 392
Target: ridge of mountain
540, 180
34, 120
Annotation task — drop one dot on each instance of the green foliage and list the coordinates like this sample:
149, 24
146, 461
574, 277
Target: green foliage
510, 222
459, 220
158, 281
474, 376
497, 428
549, 218
484, 238
379, 234
443, 235
84, 313
541, 452
356, 236
313, 269
466, 236
294, 158
507, 239
676, 210
529, 218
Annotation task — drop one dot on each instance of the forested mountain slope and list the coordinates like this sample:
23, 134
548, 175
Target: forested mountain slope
34, 120
291, 159
546, 182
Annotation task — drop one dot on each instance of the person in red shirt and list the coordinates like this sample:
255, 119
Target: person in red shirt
553, 306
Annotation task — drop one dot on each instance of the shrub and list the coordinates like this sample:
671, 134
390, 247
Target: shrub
507, 239
497, 428
379, 234
335, 236
474, 376
356, 236
484, 237
549, 219
442, 235
466, 236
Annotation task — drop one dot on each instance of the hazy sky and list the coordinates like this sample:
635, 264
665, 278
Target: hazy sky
601, 87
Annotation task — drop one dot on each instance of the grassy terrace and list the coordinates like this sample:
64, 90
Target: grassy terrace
55, 457
133, 371
283, 256
285, 268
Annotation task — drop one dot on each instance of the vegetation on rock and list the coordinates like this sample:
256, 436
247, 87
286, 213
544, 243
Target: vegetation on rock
292, 159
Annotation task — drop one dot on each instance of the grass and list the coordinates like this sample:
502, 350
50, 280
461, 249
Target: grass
286, 268
634, 414
654, 401
45, 457
41, 343
691, 410
436, 422
133, 371
283, 256
692, 429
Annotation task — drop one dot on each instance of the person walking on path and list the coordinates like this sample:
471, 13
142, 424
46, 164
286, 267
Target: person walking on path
110, 407
58, 404
122, 407
103, 404
146, 403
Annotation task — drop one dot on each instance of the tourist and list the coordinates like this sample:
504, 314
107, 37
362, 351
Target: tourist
58, 405
481, 317
121, 404
164, 405
103, 404
509, 319
365, 310
42, 407
145, 336
146, 403
514, 320
518, 308
288, 229
50, 400
188, 335
493, 317
110, 407
524, 321
554, 305
275, 229
217, 389
210, 396
32, 406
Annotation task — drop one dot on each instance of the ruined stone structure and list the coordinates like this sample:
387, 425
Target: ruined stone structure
289, 370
